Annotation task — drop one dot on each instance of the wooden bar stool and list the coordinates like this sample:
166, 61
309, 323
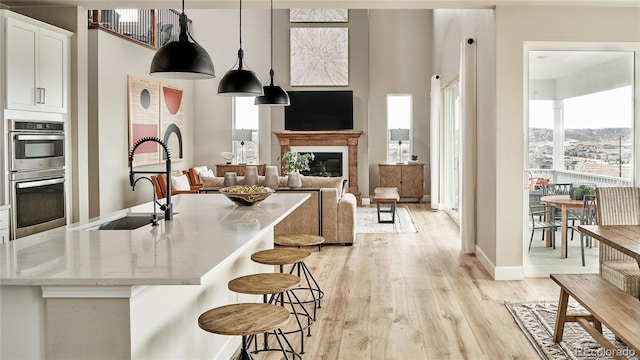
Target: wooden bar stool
299, 240
295, 257
247, 320
277, 285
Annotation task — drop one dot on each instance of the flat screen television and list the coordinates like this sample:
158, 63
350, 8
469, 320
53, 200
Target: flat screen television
319, 110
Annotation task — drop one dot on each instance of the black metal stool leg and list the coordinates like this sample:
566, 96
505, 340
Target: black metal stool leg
244, 354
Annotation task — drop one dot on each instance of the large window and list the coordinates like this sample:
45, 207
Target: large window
596, 130
245, 117
399, 120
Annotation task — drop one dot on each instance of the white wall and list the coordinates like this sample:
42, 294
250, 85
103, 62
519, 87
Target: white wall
217, 31
516, 26
111, 59
450, 28
400, 63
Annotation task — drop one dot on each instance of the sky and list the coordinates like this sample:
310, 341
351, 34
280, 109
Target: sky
607, 109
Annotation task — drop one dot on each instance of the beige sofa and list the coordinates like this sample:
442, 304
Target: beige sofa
338, 211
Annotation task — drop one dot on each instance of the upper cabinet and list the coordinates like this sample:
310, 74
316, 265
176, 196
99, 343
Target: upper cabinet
37, 65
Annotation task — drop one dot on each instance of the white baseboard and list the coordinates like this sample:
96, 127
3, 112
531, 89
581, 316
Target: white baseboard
501, 273
366, 201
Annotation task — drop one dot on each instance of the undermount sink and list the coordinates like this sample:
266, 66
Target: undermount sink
129, 222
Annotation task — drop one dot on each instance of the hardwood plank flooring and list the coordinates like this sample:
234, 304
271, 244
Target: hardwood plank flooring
414, 296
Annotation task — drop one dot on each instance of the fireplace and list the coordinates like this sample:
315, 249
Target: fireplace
342, 141
325, 164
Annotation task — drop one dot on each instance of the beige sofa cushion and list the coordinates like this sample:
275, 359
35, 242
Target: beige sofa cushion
322, 182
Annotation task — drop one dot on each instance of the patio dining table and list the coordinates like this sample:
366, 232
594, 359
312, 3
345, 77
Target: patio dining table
564, 202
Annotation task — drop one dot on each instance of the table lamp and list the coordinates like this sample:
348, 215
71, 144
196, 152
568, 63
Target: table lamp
399, 135
241, 135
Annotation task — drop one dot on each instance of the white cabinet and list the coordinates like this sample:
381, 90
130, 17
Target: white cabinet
37, 65
4, 224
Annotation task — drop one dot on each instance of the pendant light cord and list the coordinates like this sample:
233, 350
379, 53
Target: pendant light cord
240, 52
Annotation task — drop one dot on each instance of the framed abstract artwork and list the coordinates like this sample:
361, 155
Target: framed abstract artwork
318, 15
155, 110
144, 100
171, 120
319, 56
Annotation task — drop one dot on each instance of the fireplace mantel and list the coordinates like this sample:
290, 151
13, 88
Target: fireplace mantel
348, 138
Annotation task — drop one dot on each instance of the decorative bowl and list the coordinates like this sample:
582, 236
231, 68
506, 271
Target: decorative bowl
246, 195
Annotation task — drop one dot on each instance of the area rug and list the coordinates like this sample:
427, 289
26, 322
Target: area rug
537, 320
367, 221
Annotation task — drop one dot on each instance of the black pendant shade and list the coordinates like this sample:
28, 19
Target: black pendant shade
182, 59
273, 95
240, 81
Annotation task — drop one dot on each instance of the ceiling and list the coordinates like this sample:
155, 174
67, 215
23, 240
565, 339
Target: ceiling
545, 65
287, 4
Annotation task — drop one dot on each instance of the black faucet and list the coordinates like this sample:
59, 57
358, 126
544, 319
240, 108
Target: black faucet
154, 216
168, 209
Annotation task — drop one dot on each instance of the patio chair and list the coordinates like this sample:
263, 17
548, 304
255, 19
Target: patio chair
619, 206
587, 217
537, 211
561, 189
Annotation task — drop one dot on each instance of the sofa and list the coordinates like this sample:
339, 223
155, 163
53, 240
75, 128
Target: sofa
338, 212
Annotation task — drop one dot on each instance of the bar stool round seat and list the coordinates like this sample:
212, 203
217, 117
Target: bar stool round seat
280, 256
298, 240
243, 319
261, 284
248, 320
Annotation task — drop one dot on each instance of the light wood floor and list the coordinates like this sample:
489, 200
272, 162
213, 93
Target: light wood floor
414, 296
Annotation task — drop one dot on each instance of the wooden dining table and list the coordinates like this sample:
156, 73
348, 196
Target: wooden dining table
564, 203
624, 238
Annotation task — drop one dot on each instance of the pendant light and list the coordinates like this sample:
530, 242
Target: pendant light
273, 95
240, 82
182, 59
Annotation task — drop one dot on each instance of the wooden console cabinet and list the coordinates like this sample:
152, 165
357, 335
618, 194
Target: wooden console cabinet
237, 168
408, 178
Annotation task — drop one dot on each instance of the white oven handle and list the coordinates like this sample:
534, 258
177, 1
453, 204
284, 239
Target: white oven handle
30, 184
39, 137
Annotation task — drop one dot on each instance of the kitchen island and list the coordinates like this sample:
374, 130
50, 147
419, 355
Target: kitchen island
77, 292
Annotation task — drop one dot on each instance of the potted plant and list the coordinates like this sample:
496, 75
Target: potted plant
295, 162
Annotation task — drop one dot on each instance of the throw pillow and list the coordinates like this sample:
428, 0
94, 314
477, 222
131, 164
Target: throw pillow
206, 173
212, 181
180, 183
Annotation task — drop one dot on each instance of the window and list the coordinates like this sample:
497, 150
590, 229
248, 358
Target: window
399, 120
245, 116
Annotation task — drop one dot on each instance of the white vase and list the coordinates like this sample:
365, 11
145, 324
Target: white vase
295, 180
271, 177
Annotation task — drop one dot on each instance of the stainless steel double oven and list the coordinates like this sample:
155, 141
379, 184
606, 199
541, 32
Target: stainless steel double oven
36, 176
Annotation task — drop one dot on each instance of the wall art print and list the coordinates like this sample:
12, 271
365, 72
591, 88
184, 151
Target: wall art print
155, 109
319, 56
144, 106
171, 120
318, 15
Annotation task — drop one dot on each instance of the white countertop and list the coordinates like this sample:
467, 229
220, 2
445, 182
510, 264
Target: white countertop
206, 230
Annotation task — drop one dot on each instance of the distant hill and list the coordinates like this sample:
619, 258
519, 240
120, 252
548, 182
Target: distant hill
597, 135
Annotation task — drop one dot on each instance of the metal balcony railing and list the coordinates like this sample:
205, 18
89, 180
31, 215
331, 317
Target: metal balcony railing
151, 27
576, 177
